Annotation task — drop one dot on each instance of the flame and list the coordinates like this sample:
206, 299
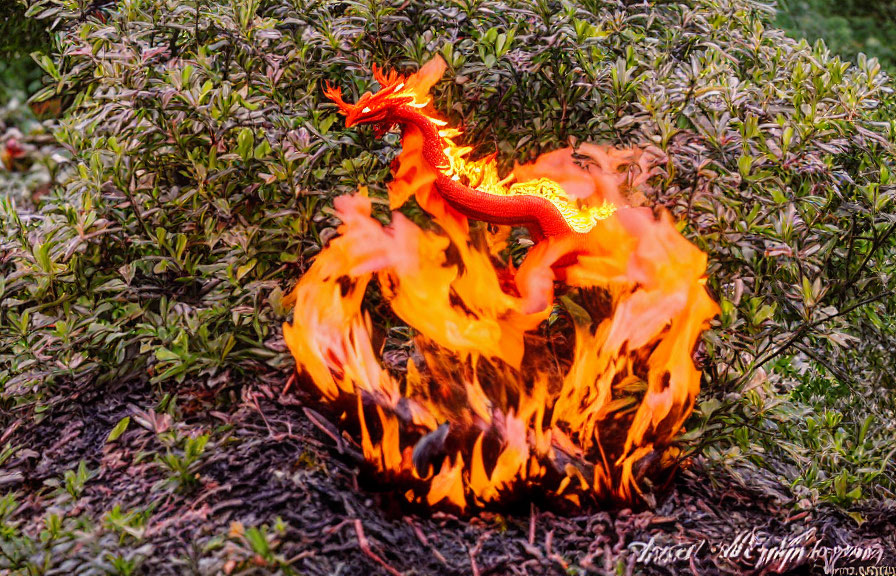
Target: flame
507, 388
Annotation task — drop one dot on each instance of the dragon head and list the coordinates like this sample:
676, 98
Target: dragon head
395, 91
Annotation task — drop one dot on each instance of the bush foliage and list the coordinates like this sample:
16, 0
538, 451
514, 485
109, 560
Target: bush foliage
205, 158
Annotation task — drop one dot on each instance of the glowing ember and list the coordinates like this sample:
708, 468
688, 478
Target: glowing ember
502, 390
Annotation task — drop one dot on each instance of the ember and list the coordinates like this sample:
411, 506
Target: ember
504, 389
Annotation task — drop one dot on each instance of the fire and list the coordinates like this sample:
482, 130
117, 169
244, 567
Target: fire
504, 388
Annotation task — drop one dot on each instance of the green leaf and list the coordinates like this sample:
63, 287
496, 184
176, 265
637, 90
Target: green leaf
745, 165
257, 541
245, 143
119, 429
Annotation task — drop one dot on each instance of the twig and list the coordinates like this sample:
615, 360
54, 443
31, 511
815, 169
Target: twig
559, 560
289, 383
136, 208
796, 517
532, 516
324, 426
805, 327
264, 419
336, 528
549, 551
876, 244
9, 431
475, 550
693, 567
425, 541
473, 563
365, 547
299, 556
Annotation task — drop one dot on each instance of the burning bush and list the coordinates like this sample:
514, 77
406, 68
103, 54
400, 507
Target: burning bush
492, 401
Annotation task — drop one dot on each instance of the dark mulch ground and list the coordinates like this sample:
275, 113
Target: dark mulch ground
266, 459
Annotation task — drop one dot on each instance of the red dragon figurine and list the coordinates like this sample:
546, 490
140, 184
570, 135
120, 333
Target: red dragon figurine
471, 188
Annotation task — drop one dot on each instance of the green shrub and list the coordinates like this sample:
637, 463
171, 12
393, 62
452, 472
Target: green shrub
70, 541
206, 157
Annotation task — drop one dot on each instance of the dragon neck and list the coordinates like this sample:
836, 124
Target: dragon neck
433, 146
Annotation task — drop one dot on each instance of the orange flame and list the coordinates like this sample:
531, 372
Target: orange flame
505, 388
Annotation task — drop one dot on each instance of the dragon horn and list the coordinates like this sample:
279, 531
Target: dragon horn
379, 76
335, 94
385, 80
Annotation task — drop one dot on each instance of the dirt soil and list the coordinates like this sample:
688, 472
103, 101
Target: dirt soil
267, 459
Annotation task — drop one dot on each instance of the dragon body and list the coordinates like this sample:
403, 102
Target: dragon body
472, 188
